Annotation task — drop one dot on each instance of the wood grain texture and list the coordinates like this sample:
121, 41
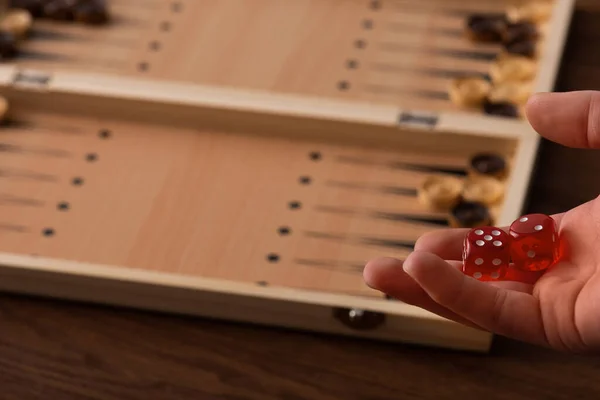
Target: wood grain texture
66, 351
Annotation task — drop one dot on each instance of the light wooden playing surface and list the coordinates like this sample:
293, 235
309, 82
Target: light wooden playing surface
401, 52
200, 157
199, 202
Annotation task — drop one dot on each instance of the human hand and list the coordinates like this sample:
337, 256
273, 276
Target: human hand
559, 308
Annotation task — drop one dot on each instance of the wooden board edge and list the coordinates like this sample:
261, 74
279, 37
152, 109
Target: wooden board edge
35, 264
528, 146
554, 45
519, 181
229, 301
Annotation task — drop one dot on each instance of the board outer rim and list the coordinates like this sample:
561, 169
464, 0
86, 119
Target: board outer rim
530, 142
90, 283
7, 74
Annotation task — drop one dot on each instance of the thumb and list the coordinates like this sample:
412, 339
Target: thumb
571, 119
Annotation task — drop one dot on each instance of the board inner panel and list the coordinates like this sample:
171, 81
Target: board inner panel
198, 202
399, 52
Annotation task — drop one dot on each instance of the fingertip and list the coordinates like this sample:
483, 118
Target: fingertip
535, 108
445, 243
378, 271
421, 264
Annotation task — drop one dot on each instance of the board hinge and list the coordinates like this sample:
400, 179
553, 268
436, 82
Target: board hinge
31, 80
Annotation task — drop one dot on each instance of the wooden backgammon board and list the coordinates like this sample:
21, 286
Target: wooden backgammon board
243, 160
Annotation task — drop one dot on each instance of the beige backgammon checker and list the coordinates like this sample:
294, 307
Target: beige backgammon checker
244, 159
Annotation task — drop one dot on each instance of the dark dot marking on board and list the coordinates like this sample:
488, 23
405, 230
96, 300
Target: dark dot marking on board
262, 283
305, 180
360, 44
295, 205
104, 134
343, 85
352, 64
165, 26
48, 232
154, 45
77, 181
284, 231
368, 24
315, 156
143, 66
375, 5
91, 157
273, 258
176, 6
63, 206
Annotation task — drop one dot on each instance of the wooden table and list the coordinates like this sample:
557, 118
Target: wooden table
56, 350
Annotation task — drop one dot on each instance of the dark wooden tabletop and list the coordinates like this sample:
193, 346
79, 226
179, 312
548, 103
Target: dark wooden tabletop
57, 350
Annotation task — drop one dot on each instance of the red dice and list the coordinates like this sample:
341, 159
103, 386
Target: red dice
535, 244
486, 253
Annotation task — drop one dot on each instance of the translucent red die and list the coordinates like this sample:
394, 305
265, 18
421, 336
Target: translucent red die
486, 253
535, 245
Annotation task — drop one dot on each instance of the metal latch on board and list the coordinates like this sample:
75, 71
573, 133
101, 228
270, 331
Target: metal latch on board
418, 119
31, 79
357, 319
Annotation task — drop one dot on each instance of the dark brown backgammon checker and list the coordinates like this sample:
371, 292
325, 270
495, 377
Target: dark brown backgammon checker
244, 159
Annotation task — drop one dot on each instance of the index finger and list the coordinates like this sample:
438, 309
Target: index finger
505, 312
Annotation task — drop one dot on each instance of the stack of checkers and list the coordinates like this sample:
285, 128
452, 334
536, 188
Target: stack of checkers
16, 23
468, 201
93, 12
511, 75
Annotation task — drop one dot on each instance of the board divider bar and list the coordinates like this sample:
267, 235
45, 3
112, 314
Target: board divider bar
259, 104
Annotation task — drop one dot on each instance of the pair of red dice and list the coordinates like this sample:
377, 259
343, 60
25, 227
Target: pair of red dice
531, 244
